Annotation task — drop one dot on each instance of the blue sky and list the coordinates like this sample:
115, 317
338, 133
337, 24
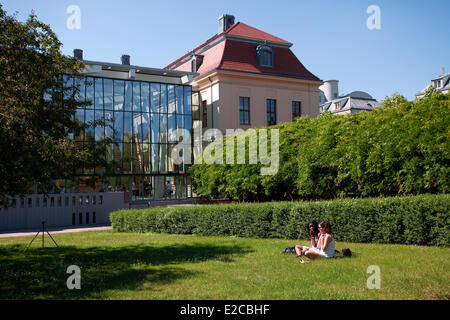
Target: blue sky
330, 37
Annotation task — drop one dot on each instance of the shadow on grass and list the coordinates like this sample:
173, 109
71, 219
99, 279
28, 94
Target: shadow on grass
41, 273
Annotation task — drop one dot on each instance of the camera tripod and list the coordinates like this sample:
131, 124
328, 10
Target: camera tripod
43, 233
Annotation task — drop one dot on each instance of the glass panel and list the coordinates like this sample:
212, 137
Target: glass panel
82, 89
155, 127
154, 157
180, 98
118, 155
127, 157
146, 157
171, 98
145, 97
146, 127
148, 188
108, 94
188, 126
180, 125
109, 125
128, 95
127, 127
172, 123
138, 157
110, 157
79, 115
99, 129
89, 123
137, 127
163, 128
155, 96
187, 100
90, 93
118, 126
119, 89
163, 158
98, 84
136, 96
164, 98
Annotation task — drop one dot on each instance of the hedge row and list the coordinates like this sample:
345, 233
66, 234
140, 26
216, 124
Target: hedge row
421, 220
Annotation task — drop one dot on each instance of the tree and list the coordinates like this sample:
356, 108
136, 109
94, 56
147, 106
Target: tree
37, 108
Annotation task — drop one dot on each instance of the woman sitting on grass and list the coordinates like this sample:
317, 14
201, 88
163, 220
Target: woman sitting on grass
313, 231
325, 247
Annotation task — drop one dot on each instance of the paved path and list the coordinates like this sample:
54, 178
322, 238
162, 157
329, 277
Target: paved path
26, 233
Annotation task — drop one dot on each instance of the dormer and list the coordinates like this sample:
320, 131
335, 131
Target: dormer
265, 55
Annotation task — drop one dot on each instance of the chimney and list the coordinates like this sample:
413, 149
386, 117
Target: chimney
443, 70
78, 53
125, 59
225, 22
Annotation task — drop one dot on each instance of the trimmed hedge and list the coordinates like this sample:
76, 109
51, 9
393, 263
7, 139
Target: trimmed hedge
421, 220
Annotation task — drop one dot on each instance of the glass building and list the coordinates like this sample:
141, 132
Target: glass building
144, 108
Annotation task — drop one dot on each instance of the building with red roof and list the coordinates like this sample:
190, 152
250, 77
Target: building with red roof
248, 78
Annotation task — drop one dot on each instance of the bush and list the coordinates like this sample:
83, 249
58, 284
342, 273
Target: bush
421, 220
401, 148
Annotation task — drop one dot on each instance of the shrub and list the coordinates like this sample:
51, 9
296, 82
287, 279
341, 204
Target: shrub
421, 220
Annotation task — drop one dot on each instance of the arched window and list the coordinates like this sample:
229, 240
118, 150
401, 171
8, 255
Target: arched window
265, 56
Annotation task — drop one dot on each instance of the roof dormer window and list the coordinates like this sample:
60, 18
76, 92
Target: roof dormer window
265, 56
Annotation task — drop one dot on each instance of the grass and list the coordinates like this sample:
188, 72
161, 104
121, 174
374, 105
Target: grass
160, 266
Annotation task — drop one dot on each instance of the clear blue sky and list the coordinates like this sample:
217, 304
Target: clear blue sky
330, 37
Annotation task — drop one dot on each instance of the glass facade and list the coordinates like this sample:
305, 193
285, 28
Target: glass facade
144, 117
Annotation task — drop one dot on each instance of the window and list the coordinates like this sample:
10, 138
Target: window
296, 109
265, 55
205, 114
244, 110
271, 112
337, 105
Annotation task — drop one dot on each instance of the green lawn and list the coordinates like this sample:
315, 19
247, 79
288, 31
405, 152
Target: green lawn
160, 266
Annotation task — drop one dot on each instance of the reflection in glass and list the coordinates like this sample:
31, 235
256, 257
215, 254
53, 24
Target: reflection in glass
155, 127
179, 98
187, 100
99, 129
127, 126
118, 126
128, 95
137, 127
90, 128
145, 97
108, 94
118, 155
171, 98
79, 115
172, 124
98, 85
162, 158
163, 128
164, 98
136, 96
119, 91
127, 157
146, 127
155, 157
109, 124
155, 97
80, 82
90, 93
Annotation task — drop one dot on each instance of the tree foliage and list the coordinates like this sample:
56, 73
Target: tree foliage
399, 148
37, 108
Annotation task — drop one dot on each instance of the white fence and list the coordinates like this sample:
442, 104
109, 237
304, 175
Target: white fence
60, 210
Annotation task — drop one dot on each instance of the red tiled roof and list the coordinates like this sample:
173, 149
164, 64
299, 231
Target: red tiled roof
243, 30
240, 56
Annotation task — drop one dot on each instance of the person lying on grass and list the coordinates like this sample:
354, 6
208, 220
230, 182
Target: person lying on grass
313, 231
325, 246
